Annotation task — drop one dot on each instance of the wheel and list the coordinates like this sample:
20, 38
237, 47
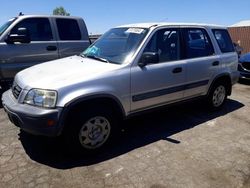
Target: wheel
90, 130
217, 95
94, 132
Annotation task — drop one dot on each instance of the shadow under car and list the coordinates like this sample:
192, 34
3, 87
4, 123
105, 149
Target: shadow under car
138, 132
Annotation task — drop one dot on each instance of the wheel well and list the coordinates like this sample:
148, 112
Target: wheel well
224, 79
106, 102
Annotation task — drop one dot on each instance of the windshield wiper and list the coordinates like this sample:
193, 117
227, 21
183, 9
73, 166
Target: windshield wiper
81, 55
97, 58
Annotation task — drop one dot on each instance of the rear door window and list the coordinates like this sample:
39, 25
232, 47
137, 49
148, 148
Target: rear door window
224, 40
68, 29
197, 43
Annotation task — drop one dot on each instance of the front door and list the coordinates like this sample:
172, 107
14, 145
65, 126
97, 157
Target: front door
42, 48
161, 82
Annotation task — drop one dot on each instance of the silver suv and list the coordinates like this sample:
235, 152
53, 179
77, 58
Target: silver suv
130, 69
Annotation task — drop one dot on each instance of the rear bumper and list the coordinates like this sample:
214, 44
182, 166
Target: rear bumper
35, 120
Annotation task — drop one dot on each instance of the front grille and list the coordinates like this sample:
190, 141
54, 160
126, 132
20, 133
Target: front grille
16, 90
246, 65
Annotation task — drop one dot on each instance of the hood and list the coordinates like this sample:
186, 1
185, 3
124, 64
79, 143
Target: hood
62, 72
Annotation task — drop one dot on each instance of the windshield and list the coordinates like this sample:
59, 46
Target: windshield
116, 45
6, 25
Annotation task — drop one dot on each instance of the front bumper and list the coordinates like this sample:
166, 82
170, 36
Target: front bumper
35, 120
244, 73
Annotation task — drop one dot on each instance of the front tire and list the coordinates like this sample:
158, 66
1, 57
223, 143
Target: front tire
90, 130
94, 132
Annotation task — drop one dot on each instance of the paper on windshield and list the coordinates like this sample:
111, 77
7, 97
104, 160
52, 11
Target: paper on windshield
135, 30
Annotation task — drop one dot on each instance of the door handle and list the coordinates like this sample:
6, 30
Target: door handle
51, 48
177, 70
216, 63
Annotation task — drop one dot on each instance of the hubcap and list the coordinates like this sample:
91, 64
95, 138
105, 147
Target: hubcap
219, 96
94, 132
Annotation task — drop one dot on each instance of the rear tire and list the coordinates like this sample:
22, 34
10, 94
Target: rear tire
217, 96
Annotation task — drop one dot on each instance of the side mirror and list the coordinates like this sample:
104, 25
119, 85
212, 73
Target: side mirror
148, 58
21, 36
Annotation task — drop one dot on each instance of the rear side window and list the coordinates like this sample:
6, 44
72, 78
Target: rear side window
197, 43
224, 41
39, 28
68, 29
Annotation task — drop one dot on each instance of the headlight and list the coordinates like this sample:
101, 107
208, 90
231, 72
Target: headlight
40, 97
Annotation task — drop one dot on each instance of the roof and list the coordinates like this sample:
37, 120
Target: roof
159, 24
47, 16
244, 23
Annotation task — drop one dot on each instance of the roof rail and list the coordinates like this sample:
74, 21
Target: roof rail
21, 14
153, 25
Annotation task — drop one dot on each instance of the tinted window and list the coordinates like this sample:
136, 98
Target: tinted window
39, 28
68, 29
197, 43
165, 42
224, 41
6, 25
117, 45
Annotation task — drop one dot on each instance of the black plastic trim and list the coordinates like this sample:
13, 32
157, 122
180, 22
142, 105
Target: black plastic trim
80, 99
219, 77
161, 92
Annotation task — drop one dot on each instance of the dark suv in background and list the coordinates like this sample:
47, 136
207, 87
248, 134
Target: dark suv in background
244, 66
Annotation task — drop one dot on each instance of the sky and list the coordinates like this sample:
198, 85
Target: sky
101, 15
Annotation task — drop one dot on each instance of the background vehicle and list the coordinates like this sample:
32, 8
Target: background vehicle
129, 70
244, 66
28, 40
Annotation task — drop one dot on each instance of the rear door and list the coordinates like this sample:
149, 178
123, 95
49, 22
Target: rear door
42, 47
160, 83
72, 39
228, 57
202, 63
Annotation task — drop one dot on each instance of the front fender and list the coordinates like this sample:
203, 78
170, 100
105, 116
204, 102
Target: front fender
78, 94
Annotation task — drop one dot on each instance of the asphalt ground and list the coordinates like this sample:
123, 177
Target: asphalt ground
180, 146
